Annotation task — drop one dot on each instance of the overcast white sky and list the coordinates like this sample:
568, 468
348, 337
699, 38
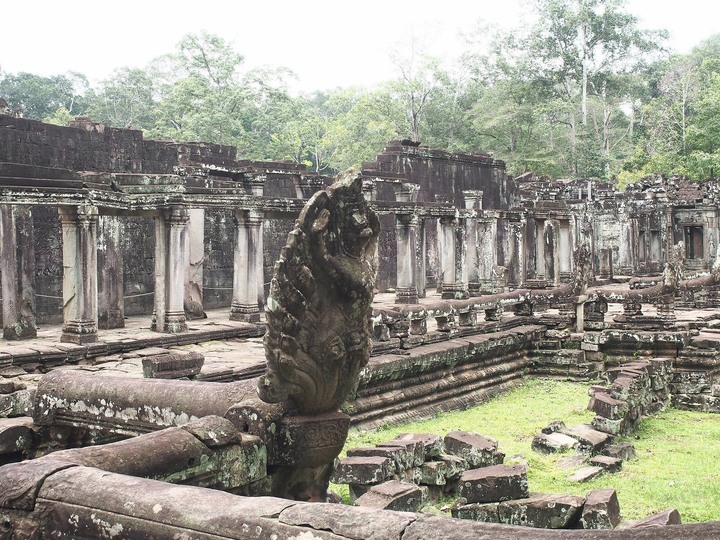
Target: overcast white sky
326, 43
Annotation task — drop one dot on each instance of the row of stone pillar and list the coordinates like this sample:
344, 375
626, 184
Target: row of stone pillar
92, 271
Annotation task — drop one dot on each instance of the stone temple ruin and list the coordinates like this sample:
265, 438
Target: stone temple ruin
427, 281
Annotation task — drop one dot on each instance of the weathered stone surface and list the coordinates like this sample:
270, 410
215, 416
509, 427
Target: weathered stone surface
352, 522
213, 431
542, 511
494, 483
18, 403
485, 512
362, 470
454, 465
661, 519
432, 444
586, 473
20, 482
553, 442
623, 451
398, 456
552, 427
394, 495
414, 450
16, 434
172, 364
604, 405
476, 449
610, 464
433, 473
601, 510
590, 439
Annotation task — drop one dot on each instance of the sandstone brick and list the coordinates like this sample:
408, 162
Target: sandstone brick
362, 470
553, 442
494, 483
476, 449
601, 510
393, 495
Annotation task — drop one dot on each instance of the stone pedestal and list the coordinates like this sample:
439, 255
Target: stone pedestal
248, 266
80, 283
17, 267
170, 263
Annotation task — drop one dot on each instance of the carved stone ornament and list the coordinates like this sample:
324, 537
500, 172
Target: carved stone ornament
319, 306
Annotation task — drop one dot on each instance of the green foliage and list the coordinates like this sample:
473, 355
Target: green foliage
40, 97
675, 467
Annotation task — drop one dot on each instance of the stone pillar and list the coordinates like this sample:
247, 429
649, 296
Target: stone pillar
473, 203
551, 244
195, 239
170, 262
248, 263
516, 274
420, 257
17, 267
111, 302
486, 230
257, 188
580, 313
405, 229
80, 282
451, 259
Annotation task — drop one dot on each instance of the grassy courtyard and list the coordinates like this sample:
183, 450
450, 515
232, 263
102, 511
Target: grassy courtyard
677, 464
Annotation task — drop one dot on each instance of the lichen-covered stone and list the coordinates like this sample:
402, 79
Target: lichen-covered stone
601, 510
553, 443
477, 450
494, 483
362, 470
394, 495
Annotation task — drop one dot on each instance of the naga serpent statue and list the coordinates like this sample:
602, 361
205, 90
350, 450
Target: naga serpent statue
319, 307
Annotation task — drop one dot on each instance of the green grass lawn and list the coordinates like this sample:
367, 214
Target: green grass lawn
678, 452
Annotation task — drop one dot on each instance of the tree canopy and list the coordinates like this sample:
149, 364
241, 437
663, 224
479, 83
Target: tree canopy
585, 92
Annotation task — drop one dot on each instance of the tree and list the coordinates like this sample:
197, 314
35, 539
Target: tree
40, 97
125, 100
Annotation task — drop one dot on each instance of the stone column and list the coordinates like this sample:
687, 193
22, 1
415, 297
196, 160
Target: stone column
420, 257
551, 244
248, 263
195, 239
17, 267
451, 259
257, 188
406, 291
516, 274
111, 302
170, 262
80, 282
473, 203
487, 253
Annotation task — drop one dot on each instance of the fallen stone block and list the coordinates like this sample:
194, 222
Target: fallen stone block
454, 465
16, 434
553, 443
585, 474
494, 483
601, 510
485, 512
476, 449
172, 364
552, 427
8, 386
622, 451
433, 473
393, 495
432, 444
414, 451
542, 511
661, 519
591, 440
398, 456
608, 463
609, 407
362, 470
19, 403
611, 427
